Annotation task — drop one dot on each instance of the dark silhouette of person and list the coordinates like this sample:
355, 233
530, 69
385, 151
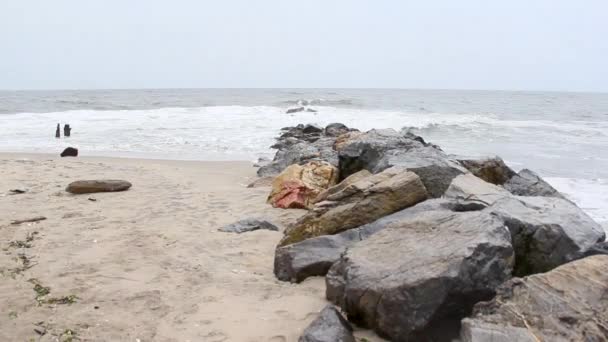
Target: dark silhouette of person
66, 130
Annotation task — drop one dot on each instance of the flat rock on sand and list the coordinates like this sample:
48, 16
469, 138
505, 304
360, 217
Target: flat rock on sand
248, 225
92, 186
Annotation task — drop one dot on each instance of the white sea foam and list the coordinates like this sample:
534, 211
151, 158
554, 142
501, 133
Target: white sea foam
236, 131
589, 194
553, 148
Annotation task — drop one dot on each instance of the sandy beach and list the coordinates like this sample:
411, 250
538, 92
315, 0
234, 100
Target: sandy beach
147, 264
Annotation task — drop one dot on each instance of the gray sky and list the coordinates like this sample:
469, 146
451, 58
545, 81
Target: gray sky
466, 44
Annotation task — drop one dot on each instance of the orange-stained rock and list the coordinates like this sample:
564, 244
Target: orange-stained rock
298, 185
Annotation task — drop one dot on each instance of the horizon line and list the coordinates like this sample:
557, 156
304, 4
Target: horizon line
307, 88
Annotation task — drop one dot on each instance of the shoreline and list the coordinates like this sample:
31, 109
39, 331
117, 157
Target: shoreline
213, 157
130, 159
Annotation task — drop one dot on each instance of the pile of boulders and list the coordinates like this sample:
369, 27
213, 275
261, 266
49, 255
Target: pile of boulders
420, 245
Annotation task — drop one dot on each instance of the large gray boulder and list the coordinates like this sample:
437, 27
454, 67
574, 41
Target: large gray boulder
566, 304
315, 256
546, 231
416, 278
330, 326
528, 183
378, 150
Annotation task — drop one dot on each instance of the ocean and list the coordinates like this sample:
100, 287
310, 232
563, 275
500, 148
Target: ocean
561, 136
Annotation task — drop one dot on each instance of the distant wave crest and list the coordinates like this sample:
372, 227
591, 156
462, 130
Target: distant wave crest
319, 102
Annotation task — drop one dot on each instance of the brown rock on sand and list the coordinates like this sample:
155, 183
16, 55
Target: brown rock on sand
298, 185
92, 186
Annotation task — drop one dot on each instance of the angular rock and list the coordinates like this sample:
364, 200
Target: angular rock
295, 110
312, 129
419, 276
528, 183
248, 225
102, 185
330, 326
297, 186
364, 201
70, 152
566, 304
492, 170
546, 231
336, 129
360, 151
349, 181
314, 256
432, 165
472, 188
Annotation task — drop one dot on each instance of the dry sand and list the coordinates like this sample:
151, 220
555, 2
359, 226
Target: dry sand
147, 264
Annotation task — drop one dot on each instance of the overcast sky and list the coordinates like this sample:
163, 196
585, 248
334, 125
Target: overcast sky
465, 44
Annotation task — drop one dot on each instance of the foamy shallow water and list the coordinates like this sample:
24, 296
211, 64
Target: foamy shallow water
572, 154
